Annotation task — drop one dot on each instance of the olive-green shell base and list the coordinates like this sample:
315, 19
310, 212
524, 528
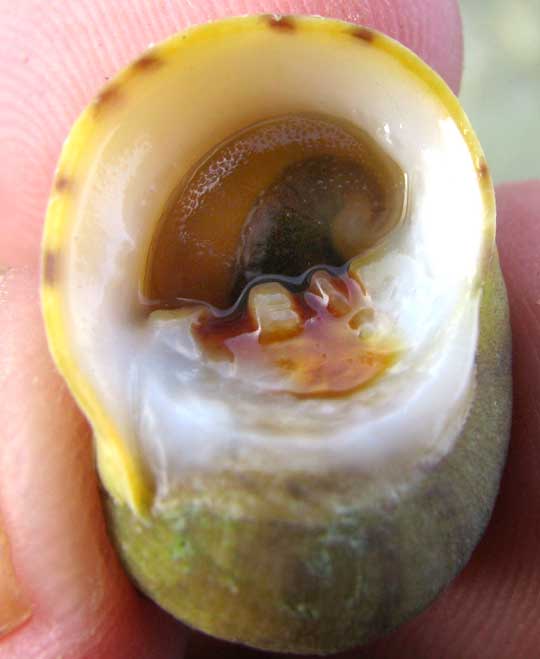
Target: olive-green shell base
270, 563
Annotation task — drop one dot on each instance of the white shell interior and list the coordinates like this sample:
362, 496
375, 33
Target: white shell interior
182, 411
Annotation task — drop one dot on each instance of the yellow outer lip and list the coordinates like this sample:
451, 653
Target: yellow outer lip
122, 472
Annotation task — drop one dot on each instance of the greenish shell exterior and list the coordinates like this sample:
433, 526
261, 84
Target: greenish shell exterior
229, 556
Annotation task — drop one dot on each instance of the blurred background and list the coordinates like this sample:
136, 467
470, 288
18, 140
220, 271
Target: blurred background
501, 85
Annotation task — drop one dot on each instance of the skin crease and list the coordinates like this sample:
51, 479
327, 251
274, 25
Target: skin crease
54, 56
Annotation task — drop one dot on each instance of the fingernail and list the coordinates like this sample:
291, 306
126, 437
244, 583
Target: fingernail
15, 607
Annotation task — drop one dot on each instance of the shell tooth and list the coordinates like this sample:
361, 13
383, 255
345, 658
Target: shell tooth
360, 318
354, 273
272, 308
370, 325
325, 286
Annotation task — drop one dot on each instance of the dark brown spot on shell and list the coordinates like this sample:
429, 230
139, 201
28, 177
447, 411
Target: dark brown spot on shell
50, 268
62, 183
108, 97
483, 169
285, 23
363, 33
147, 62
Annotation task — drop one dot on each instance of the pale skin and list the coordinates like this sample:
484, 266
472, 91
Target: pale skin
62, 590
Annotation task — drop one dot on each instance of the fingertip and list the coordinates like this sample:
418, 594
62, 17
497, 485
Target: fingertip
518, 203
83, 604
15, 606
518, 240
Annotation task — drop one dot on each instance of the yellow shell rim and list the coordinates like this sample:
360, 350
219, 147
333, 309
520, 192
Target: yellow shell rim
123, 473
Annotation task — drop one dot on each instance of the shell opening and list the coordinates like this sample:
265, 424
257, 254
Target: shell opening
249, 233
277, 199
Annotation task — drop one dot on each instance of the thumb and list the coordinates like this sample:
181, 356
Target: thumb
79, 602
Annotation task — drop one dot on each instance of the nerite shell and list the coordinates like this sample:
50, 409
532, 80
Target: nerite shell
288, 519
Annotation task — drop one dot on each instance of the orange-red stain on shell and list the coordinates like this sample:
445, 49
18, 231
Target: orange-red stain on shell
324, 359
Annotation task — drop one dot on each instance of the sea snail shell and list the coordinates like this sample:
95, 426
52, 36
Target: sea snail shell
308, 471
